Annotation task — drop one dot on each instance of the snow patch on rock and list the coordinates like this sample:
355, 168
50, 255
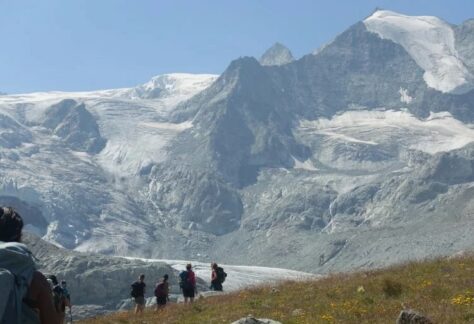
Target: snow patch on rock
404, 96
431, 43
304, 165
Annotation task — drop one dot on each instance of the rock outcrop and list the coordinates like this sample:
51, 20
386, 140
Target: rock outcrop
252, 320
412, 317
97, 283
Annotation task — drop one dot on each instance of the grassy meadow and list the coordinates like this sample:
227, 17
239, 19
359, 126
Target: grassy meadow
442, 289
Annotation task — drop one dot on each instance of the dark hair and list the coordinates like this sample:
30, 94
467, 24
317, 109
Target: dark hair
214, 265
54, 279
11, 225
142, 276
188, 266
165, 277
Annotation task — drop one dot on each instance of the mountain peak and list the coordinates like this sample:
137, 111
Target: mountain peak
278, 54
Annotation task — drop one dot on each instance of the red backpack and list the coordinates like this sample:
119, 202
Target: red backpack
160, 290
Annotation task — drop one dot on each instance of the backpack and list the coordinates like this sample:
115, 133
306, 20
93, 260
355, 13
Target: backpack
17, 266
160, 290
66, 294
135, 291
183, 280
59, 299
221, 275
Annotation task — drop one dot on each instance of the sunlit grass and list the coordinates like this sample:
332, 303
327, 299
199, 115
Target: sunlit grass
441, 289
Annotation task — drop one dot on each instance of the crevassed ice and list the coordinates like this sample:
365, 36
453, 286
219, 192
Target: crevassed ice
440, 132
430, 42
134, 126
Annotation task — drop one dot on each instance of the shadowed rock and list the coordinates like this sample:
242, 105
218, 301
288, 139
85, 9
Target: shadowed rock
410, 316
253, 320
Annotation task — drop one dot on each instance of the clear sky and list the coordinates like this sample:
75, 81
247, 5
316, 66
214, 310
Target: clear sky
97, 44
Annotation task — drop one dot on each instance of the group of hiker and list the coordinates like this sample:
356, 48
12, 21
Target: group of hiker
187, 284
61, 297
137, 292
28, 296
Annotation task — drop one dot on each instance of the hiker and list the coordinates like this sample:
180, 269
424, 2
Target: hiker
138, 293
66, 291
217, 277
60, 300
25, 291
162, 293
188, 284
68, 297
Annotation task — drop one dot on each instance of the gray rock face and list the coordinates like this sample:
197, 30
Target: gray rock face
75, 125
203, 201
278, 54
465, 42
452, 168
352, 204
12, 134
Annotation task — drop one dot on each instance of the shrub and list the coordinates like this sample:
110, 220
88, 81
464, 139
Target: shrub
468, 317
391, 288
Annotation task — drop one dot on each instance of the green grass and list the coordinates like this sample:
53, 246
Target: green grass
441, 289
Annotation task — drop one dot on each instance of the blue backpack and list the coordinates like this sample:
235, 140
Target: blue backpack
17, 266
183, 280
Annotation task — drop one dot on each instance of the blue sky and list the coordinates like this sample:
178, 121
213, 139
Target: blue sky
96, 44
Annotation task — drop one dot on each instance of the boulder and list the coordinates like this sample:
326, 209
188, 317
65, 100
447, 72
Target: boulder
410, 316
252, 320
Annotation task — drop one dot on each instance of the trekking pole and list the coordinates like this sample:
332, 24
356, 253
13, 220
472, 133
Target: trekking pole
70, 313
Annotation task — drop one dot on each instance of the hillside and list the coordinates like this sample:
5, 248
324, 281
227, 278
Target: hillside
442, 289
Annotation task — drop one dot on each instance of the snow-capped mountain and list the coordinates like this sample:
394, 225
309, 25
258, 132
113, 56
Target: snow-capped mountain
65, 149
358, 155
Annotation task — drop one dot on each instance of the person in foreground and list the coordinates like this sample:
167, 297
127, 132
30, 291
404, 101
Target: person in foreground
26, 295
138, 293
